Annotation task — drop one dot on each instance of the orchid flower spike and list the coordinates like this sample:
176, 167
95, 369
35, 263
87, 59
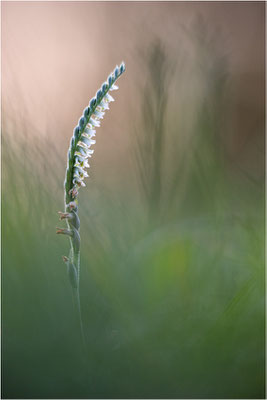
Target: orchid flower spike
83, 136
79, 152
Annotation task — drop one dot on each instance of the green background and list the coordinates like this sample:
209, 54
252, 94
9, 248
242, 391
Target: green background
172, 250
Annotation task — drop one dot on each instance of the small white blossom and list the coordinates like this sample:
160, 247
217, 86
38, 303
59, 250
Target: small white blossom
114, 87
88, 141
81, 162
94, 122
79, 182
108, 98
89, 132
98, 114
103, 105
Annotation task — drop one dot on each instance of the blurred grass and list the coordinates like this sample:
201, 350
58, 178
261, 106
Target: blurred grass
172, 279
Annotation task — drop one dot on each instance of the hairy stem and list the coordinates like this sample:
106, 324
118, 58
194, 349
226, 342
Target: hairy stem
77, 305
74, 259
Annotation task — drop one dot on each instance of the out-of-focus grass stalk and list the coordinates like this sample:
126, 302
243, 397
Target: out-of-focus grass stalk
150, 146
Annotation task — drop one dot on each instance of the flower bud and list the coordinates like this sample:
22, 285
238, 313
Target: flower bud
104, 87
99, 94
92, 102
122, 67
110, 80
116, 72
86, 112
76, 132
81, 122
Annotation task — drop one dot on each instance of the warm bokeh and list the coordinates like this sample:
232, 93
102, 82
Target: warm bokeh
56, 53
172, 218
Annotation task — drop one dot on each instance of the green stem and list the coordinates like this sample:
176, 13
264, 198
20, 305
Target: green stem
76, 296
74, 257
76, 262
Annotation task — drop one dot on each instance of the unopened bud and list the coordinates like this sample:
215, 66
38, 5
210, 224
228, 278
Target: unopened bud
110, 80
116, 72
92, 102
104, 87
99, 94
76, 132
86, 112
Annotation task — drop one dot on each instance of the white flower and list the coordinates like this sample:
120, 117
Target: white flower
79, 182
84, 152
108, 98
79, 172
83, 135
89, 153
103, 105
98, 114
87, 141
94, 122
89, 132
81, 162
114, 87
80, 151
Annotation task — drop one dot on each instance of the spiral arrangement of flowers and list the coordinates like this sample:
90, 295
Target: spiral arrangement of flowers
78, 154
